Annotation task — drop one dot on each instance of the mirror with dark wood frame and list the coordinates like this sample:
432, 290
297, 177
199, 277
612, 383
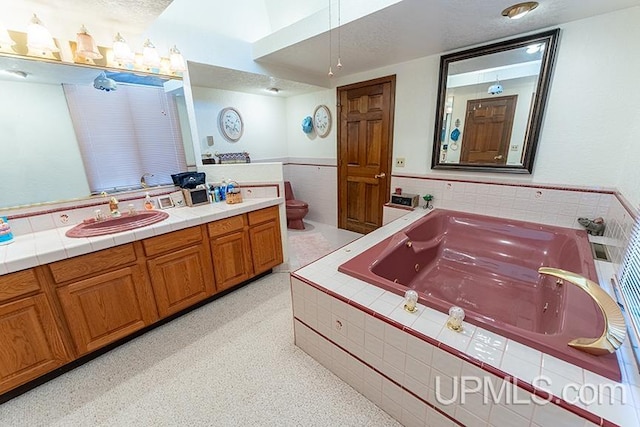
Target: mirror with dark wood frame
490, 104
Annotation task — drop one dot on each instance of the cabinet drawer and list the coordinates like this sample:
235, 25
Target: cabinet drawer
171, 241
228, 225
93, 263
17, 284
263, 215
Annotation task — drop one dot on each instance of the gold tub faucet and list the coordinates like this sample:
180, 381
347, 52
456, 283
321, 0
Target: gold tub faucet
615, 329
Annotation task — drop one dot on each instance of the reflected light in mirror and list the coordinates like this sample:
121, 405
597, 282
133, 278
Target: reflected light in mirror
176, 59
86, 45
39, 38
150, 56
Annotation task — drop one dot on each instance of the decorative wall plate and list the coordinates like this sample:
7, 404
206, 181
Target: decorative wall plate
231, 125
322, 120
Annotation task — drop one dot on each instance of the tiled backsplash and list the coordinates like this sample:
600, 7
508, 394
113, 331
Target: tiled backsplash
46, 217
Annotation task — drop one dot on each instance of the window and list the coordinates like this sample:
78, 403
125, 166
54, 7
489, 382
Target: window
126, 133
630, 281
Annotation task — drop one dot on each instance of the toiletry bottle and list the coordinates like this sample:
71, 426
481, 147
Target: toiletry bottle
216, 194
223, 190
229, 187
148, 203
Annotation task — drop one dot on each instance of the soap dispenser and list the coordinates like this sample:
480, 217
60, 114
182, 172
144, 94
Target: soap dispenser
148, 203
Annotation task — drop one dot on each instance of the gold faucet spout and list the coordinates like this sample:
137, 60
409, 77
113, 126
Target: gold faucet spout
615, 329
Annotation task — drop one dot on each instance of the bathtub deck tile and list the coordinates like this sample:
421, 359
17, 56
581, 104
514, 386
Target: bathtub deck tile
458, 340
491, 339
403, 316
485, 352
520, 368
560, 367
514, 348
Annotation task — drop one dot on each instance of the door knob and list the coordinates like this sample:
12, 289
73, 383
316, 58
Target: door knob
498, 157
380, 175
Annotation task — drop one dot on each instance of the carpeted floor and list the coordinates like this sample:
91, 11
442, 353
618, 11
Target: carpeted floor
308, 247
229, 363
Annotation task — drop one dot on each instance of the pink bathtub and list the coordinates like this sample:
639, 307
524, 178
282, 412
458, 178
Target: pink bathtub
489, 267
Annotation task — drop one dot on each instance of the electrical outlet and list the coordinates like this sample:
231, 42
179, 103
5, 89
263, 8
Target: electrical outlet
399, 162
514, 148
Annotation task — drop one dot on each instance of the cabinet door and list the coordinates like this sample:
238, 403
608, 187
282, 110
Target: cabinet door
107, 307
30, 342
231, 259
266, 246
181, 278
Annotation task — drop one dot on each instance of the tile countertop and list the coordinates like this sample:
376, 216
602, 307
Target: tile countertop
516, 359
44, 247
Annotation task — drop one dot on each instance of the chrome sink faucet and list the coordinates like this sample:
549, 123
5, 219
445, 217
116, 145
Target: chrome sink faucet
143, 180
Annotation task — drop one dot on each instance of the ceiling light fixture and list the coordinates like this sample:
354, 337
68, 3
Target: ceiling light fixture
519, 10
86, 46
39, 38
273, 89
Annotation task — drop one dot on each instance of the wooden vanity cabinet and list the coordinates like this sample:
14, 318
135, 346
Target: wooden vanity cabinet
30, 341
105, 296
180, 269
245, 245
231, 251
264, 234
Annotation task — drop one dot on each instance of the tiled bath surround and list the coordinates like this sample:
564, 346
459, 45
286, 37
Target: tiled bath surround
363, 334
315, 181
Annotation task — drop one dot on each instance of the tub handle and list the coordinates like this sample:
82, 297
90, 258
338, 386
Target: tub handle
615, 329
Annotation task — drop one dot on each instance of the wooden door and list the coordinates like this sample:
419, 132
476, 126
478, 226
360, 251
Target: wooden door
365, 139
181, 278
487, 130
107, 307
231, 259
31, 344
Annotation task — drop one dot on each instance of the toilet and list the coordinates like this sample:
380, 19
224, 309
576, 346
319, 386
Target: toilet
296, 209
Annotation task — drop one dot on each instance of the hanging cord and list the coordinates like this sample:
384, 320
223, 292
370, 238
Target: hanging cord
339, 64
330, 71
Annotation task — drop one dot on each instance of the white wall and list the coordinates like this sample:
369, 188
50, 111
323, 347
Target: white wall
264, 135
591, 113
300, 144
40, 159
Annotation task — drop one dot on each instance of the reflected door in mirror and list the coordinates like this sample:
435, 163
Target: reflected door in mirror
487, 130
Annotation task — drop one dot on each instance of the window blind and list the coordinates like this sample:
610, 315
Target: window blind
126, 133
629, 283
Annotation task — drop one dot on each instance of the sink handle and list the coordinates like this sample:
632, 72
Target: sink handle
615, 330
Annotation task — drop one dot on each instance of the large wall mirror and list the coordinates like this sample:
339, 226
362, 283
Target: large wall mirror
42, 159
491, 101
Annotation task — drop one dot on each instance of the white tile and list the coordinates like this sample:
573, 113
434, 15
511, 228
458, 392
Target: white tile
446, 363
458, 340
374, 345
523, 352
382, 307
503, 417
394, 356
568, 370
490, 338
395, 337
434, 316
550, 415
417, 370
403, 316
414, 406
623, 415
419, 349
435, 419
484, 352
468, 418
519, 368
374, 327
427, 327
